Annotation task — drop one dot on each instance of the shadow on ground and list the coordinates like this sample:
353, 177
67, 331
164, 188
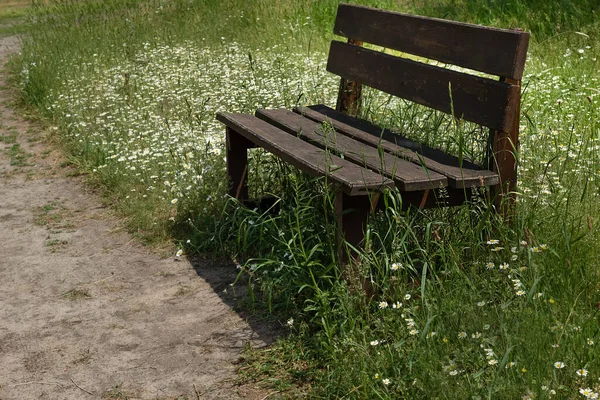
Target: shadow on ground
220, 274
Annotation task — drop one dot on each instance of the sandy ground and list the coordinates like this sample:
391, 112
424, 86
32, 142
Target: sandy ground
88, 313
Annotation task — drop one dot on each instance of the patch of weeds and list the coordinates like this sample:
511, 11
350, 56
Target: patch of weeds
116, 393
281, 367
77, 294
56, 244
9, 138
18, 156
52, 216
165, 274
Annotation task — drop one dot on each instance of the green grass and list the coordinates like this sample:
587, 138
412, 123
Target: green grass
18, 156
12, 16
461, 306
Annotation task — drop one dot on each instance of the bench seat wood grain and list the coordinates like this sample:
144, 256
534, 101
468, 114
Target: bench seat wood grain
355, 180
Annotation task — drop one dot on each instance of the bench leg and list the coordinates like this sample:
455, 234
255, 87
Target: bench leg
351, 214
237, 164
350, 93
505, 147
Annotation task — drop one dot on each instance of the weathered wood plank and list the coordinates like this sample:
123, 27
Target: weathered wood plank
408, 176
308, 158
480, 100
459, 175
494, 51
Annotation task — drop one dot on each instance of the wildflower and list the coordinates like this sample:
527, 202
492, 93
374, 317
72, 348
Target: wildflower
481, 304
523, 370
383, 304
587, 392
493, 241
559, 365
453, 372
410, 322
503, 266
386, 381
374, 342
413, 332
397, 305
290, 322
510, 364
523, 243
396, 266
492, 362
538, 295
445, 340
179, 253
486, 327
407, 297
536, 250
497, 249
489, 265
174, 201
431, 334
514, 257
520, 293
543, 247
517, 283
582, 372
590, 342
475, 335
462, 335
376, 376
551, 301
513, 249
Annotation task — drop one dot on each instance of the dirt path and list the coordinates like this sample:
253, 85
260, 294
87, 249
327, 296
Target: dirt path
85, 311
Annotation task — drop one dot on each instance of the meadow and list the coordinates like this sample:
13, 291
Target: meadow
469, 307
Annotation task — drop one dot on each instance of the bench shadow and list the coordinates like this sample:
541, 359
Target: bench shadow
220, 274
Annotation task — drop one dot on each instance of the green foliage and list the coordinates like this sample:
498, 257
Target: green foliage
445, 303
543, 19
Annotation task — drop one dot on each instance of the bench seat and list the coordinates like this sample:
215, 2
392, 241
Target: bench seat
459, 174
361, 159
353, 179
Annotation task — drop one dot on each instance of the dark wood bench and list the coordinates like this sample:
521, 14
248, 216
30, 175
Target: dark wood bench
372, 158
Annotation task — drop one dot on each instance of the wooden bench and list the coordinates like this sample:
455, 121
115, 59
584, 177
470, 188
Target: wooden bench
360, 159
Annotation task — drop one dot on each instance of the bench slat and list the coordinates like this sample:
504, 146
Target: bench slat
306, 157
494, 51
480, 100
469, 175
408, 176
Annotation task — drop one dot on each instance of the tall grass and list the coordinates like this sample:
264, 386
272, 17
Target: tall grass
458, 304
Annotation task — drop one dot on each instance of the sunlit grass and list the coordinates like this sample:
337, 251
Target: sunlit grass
457, 304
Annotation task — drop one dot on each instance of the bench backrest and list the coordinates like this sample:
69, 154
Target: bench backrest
489, 102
